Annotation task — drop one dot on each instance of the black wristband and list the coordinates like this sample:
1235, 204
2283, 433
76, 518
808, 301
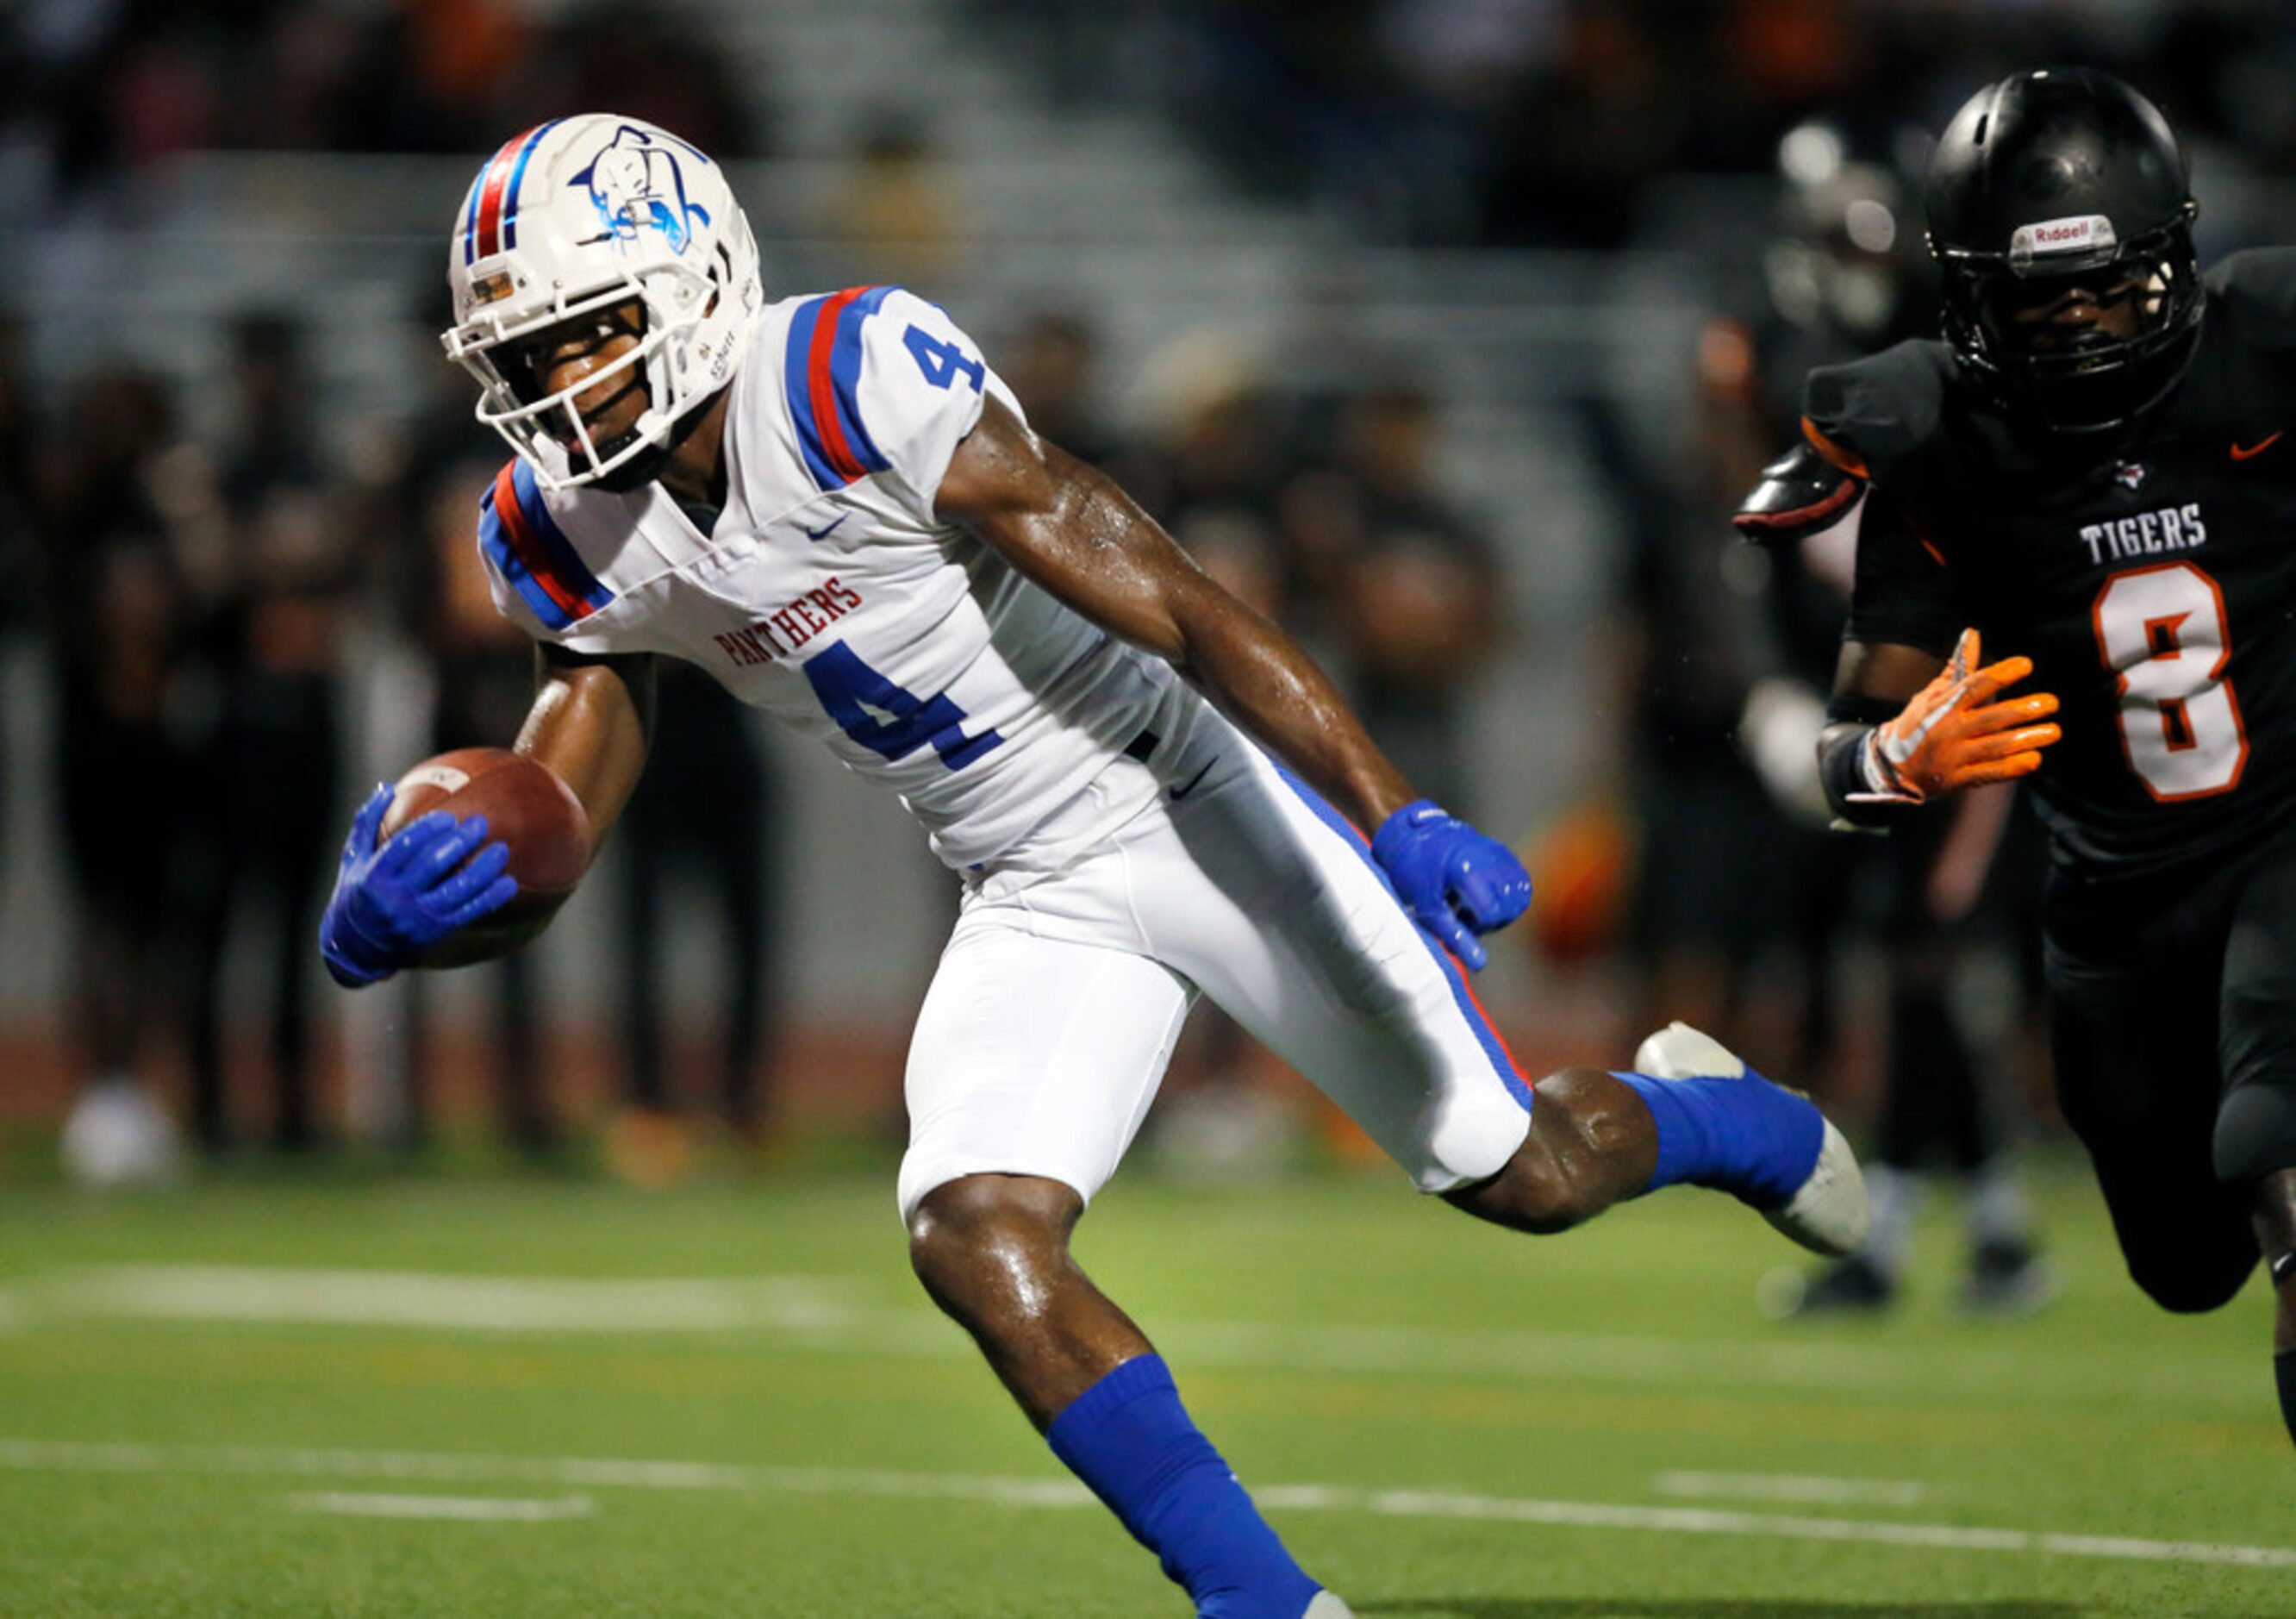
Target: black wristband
1841, 769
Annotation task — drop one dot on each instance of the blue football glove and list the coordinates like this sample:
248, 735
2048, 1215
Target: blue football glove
1455, 882
394, 903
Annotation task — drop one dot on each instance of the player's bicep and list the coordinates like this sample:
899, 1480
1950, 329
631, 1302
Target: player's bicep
1876, 675
1902, 592
1071, 530
589, 723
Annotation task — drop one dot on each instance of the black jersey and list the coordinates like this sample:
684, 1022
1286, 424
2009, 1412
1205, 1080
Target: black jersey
2155, 591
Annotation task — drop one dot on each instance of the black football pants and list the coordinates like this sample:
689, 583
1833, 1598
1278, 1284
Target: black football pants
2173, 1017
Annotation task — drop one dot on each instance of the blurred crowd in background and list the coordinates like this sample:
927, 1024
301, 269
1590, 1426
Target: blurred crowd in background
195, 594
1550, 122
1539, 122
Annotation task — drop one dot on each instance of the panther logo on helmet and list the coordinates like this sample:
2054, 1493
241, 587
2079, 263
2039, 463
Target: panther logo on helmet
635, 184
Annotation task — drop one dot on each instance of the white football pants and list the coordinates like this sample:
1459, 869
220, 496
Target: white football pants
1052, 1014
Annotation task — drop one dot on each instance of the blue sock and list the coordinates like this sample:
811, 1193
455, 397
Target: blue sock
1752, 1139
1128, 1437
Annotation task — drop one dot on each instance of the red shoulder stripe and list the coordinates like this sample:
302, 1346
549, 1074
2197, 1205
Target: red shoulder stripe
820, 387
530, 547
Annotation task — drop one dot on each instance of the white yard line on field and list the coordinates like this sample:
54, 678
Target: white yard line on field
824, 1315
1790, 1487
456, 1508
484, 1303
432, 1300
604, 1473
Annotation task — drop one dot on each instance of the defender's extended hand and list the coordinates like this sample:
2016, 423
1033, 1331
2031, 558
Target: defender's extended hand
1953, 736
1455, 881
394, 903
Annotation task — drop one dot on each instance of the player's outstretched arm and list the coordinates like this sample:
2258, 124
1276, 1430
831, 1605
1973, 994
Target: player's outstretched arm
589, 723
1950, 732
1074, 532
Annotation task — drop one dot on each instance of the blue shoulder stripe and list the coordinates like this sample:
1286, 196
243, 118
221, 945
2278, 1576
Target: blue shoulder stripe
799, 394
820, 382
533, 554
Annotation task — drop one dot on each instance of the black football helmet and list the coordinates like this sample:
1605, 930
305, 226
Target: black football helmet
2063, 187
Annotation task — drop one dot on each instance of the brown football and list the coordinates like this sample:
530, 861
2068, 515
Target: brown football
526, 807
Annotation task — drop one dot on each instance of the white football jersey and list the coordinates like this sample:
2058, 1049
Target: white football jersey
828, 592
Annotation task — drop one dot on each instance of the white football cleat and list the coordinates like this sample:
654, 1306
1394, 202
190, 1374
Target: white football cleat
1828, 1214
1327, 1607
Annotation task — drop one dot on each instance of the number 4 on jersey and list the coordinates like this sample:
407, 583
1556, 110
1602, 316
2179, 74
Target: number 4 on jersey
941, 361
891, 719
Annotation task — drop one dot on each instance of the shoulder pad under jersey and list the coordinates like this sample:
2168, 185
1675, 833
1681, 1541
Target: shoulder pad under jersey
2256, 292
1869, 415
1801, 493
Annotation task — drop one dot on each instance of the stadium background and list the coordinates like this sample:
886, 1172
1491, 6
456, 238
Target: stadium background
1286, 241
1524, 207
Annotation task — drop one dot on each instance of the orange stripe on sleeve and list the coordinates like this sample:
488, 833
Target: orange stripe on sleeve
1834, 453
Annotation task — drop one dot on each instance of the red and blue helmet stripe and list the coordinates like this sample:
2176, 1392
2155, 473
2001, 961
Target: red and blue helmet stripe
490, 224
821, 376
529, 549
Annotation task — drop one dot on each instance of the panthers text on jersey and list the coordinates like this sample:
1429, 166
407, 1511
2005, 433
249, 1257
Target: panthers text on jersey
827, 591
2155, 591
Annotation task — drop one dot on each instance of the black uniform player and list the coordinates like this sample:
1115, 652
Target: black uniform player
2090, 472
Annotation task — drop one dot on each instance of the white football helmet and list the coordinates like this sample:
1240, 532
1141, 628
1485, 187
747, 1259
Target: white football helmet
582, 214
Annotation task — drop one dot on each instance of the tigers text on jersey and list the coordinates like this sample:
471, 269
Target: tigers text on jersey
829, 593
2155, 591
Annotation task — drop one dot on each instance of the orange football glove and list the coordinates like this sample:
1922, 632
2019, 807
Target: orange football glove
1952, 735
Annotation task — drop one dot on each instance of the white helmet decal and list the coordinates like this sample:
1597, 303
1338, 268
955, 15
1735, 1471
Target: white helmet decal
582, 215
634, 184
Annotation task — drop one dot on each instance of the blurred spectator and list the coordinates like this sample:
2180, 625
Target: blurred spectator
700, 830
1675, 658
127, 84
1557, 117
662, 63
117, 610
1215, 444
260, 825
1419, 592
1573, 148
1049, 364
19, 496
894, 206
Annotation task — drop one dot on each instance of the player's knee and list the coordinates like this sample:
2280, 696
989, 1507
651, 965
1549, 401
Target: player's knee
2256, 1133
1536, 1192
979, 1237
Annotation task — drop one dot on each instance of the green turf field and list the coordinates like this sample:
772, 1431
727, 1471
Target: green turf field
510, 1398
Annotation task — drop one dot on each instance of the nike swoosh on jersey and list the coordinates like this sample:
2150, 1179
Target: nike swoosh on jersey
1188, 787
823, 532
2257, 448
